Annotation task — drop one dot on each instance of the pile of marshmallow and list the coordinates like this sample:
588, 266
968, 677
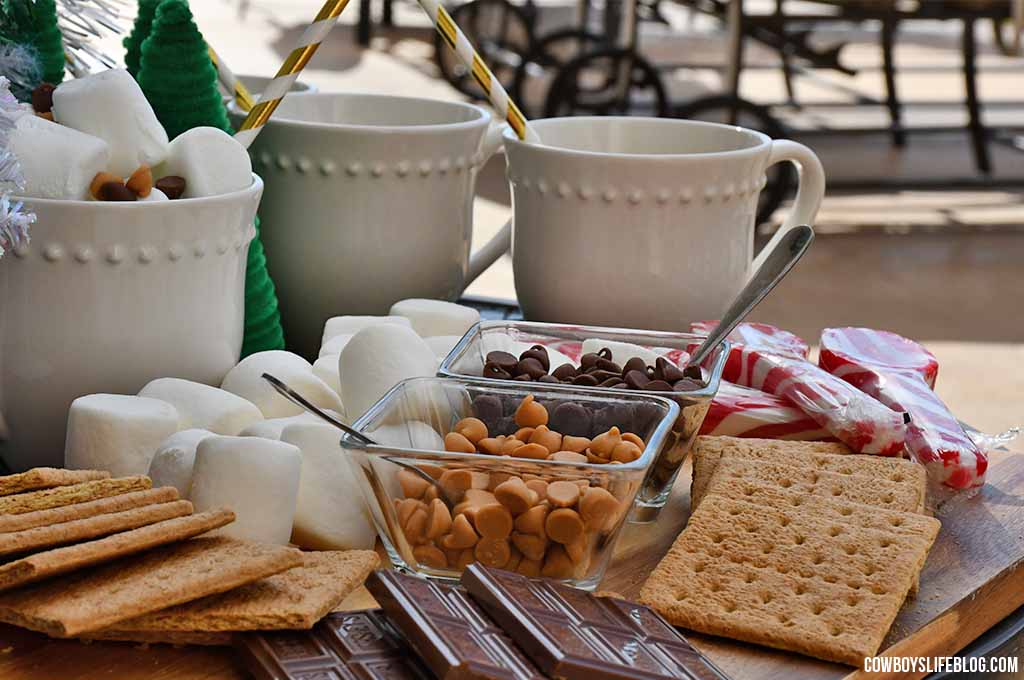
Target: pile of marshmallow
101, 139
244, 445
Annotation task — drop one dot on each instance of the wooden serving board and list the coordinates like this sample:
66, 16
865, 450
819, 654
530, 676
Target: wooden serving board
972, 580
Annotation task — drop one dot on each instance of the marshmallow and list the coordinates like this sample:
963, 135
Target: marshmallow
246, 381
174, 458
56, 161
436, 317
210, 160
442, 345
376, 359
335, 345
273, 427
257, 478
621, 351
331, 513
199, 405
117, 433
155, 196
350, 325
326, 368
110, 105
412, 434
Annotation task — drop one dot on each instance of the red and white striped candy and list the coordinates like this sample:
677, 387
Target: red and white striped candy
899, 373
743, 412
851, 416
760, 336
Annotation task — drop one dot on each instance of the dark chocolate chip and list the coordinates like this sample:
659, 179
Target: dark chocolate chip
601, 376
564, 371
42, 98
505, 426
688, 385
636, 380
540, 354
548, 379
693, 371
608, 365
494, 371
585, 380
658, 386
488, 408
115, 191
172, 186
530, 366
523, 377
634, 364
614, 381
588, 360
668, 371
614, 415
605, 353
571, 419
503, 360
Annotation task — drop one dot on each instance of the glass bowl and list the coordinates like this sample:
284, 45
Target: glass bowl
565, 532
565, 343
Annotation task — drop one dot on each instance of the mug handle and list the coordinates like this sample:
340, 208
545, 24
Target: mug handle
500, 243
810, 191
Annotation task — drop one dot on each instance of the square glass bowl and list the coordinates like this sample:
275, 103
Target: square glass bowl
422, 498
566, 343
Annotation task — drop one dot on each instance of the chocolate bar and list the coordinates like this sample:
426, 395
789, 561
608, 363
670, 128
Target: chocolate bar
573, 635
449, 631
358, 645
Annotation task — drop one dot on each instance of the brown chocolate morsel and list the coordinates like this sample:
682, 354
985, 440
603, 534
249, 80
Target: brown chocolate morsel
688, 385
42, 98
523, 377
494, 371
503, 360
115, 191
658, 386
571, 419
693, 371
605, 353
608, 365
585, 380
601, 376
539, 353
588, 361
531, 366
488, 408
634, 364
667, 371
172, 186
636, 380
564, 371
548, 379
614, 381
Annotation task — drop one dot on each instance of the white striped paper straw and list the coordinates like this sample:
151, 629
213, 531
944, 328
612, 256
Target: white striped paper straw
231, 83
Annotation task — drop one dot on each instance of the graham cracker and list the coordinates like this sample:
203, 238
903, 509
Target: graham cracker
73, 557
16, 542
780, 578
866, 489
295, 599
101, 506
74, 493
45, 478
157, 579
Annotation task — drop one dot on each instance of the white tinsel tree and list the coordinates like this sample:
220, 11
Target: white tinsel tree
14, 221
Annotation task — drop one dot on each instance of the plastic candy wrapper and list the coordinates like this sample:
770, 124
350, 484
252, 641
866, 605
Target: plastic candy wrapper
760, 336
900, 374
743, 412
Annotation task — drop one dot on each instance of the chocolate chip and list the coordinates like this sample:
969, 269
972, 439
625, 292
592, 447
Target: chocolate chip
619, 415
588, 360
688, 385
115, 191
636, 380
523, 377
540, 354
548, 379
668, 371
608, 365
530, 366
571, 419
634, 364
601, 376
693, 371
505, 426
605, 353
42, 98
585, 380
614, 381
495, 372
564, 371
488, 408
658, 386
172, 186
503, 360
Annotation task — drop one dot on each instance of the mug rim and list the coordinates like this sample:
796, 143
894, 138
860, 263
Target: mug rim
511, 138
254, 187
482, 115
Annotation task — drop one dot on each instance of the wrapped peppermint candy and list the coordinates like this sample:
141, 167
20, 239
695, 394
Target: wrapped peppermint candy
743, 412
759, 336
900, 373
851, 416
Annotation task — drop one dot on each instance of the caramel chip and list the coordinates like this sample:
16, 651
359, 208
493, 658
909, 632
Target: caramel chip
598, 508
557, 564
575, 444
416, 527
563, 494
530, 413
462, 536
568, 457
413, 486
430, 556
523, 434
534, 451
515, 495
564, 525
604, 444
533, 547
440, 520
528, 567
510, 446
630, 437
457, 443
493, 552
549, 439
493, 521
472, 429
538, 486
532, 521
626, 452
404, 509
491, 445
141, 182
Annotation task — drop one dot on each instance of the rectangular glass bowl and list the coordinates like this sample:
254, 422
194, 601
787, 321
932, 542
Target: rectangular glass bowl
565, 343
409, 424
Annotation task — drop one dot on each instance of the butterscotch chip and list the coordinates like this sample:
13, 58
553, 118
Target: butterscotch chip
416, 528
472, 429
523, 434
91, 527
413, 486
141, 181
568, 457
491, 445
294, 599
160, 578
405, 508
515, 495
626, 452
74, 493
480, 497
530, 413
575, 444
45, 478
466, 558
598, 508
73, 557
603, 444
434, 471
440, 519
782, 577
513, 561
534, 451
563, 494
634, 439
510, 446
493, 552
497, 479
493, 521
538, 486
530, 545
557, 564
528, 567
549, 439
430, 556
462, 536
457, 482
595, 459
564, 525
456, 443
532, 521
99, 180
102, 506
578, 550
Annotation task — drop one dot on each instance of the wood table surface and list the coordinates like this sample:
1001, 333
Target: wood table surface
972, 580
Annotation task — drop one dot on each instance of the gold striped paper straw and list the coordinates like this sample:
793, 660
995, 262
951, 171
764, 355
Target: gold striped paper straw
460, 44
286, 75
232, 84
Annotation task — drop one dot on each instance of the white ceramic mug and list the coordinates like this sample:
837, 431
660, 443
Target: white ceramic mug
642, 222
108, 296
369, 200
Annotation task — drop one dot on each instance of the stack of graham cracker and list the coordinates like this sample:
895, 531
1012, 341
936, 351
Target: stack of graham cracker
796, 545
84, 555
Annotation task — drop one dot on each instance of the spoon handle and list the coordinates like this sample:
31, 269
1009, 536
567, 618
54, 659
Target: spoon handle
784, 255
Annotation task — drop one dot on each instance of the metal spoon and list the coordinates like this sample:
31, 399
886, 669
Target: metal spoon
787, 252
